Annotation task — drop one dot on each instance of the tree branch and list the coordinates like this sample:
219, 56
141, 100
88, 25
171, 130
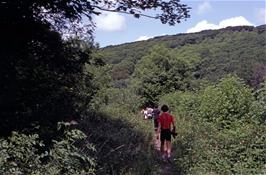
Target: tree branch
125, 12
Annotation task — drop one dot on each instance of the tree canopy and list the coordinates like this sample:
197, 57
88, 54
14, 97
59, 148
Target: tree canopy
67, 15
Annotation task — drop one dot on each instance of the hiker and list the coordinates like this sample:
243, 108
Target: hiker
149, 112
156, 112
165, 121
143, 112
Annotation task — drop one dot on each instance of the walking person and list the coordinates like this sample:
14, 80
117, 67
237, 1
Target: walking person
156, 114
149, 112
165, 121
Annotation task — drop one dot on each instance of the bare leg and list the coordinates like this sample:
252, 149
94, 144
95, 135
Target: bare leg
168, 149
156, 134
162, 147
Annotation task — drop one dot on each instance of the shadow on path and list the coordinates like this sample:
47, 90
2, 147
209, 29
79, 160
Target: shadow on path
120, 147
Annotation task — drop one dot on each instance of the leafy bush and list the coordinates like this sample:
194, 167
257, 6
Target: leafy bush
20, 154
116, 97
181, 103
229, 101
259, 106
221, 135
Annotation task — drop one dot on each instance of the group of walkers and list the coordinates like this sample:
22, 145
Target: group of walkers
164, 127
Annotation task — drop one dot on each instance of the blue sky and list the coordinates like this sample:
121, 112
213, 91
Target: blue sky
115, 28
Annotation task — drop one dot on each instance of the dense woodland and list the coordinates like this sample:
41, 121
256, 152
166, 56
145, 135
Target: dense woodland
69, 107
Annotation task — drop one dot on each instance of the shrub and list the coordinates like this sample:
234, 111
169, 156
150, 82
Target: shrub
20, 154
223, 135
229, 101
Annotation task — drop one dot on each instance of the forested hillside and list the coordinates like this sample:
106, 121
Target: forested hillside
237, 50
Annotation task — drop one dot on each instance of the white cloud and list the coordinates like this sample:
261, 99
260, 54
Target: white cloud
141, 38
205, 25
204, 7
202, 25
236, 21
110, 22
260, 15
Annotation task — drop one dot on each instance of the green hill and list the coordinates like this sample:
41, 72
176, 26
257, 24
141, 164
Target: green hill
237, 50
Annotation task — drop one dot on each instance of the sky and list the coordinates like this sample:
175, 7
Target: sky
116, 28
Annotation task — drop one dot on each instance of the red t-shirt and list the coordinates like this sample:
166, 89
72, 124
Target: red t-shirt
165, 119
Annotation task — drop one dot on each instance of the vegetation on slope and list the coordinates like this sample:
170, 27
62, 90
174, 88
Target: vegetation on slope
238, 50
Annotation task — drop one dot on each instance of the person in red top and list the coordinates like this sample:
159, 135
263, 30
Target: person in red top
165, 121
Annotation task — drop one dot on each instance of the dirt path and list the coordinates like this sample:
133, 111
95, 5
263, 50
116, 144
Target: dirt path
164, 167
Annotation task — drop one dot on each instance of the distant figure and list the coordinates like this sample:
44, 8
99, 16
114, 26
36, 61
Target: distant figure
156, 112
165, 121
143, 112
149, 112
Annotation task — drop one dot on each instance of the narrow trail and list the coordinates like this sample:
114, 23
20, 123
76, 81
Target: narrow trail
165, 167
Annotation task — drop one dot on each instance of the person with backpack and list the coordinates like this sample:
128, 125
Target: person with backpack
165, 121
144, 113
149, 112
156, 113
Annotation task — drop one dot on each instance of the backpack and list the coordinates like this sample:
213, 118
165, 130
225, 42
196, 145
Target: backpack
150, 113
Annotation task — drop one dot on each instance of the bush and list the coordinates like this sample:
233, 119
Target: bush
259, 106
124, 98
180, 103
20, 154
222, 135
229, 101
